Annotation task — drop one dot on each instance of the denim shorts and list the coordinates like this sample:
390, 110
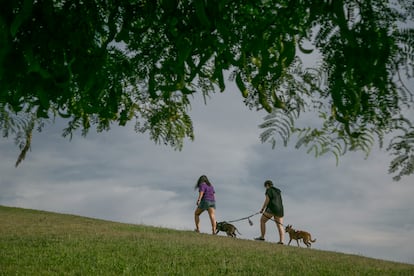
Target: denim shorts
206, 204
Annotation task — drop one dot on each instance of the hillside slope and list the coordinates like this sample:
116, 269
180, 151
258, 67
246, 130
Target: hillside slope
37, 242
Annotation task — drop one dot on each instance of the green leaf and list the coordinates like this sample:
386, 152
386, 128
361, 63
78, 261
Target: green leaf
241, 86
21, 17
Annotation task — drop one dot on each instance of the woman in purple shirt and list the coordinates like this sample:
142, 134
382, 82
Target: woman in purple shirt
205, 201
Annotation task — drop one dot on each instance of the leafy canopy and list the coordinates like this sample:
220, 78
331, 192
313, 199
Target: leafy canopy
101, 62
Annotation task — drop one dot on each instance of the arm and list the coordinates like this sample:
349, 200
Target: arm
200, 196
267, 199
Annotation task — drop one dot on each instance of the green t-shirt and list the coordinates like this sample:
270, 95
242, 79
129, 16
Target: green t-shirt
275, 204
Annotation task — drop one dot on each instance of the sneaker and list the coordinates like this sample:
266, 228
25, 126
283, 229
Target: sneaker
259, 239
280, 243
196, 230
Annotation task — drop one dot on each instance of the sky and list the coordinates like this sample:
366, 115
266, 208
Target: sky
354, 207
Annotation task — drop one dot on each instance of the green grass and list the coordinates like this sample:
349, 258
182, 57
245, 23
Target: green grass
43, 243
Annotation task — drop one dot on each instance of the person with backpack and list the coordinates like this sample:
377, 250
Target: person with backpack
272, 208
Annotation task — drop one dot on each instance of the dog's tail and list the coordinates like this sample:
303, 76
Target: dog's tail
238, 232
314, 240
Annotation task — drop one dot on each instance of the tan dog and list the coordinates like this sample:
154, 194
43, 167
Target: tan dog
298, 234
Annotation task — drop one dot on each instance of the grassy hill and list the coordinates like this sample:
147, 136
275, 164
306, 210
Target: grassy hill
43, 243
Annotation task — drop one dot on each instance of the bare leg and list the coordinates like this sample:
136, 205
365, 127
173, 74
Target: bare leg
212, 215
279, 225
197, 214
265, 217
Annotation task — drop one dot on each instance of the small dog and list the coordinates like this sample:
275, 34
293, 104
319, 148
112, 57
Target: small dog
230, 229
298, 234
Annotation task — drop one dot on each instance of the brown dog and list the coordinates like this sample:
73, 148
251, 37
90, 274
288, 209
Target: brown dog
298, 234
230, 229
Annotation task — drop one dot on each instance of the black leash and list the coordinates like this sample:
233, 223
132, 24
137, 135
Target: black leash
273, 220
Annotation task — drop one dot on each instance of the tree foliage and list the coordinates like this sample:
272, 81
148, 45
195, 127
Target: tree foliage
101, 62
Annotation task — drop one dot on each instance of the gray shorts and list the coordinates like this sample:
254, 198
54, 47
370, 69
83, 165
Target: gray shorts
206, 204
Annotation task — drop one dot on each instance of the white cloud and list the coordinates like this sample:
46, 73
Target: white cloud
122, 176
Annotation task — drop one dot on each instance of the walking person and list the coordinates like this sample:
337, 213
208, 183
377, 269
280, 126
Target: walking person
272, 208
205, 201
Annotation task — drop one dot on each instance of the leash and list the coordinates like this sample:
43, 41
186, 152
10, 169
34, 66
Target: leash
251, 223
273, 220
248, 218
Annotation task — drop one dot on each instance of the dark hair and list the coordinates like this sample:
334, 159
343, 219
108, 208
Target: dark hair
268, 183
202, 179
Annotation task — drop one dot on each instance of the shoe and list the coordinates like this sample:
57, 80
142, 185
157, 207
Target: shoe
196, 230
259, 239
280, 243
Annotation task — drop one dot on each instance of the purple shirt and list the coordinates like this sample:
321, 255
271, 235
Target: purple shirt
208, 192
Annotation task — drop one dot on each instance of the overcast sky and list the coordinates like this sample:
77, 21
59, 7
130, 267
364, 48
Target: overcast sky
123, 176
